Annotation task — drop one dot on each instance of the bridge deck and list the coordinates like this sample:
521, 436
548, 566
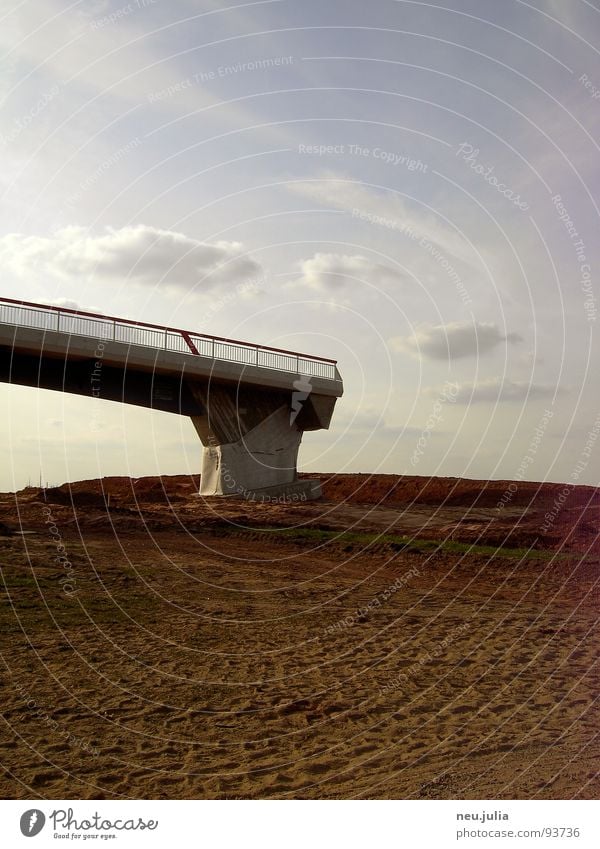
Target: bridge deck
58, 331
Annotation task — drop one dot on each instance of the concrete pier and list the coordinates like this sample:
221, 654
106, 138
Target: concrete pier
251, 438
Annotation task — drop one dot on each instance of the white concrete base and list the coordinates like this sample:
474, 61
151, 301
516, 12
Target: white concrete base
307, 489
265, 457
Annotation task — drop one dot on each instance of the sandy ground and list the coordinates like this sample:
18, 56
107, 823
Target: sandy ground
394, 640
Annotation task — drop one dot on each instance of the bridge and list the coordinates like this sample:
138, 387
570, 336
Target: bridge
250, 404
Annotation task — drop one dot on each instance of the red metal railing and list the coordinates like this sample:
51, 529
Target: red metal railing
80, 323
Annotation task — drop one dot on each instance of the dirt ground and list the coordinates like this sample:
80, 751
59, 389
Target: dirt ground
400, 638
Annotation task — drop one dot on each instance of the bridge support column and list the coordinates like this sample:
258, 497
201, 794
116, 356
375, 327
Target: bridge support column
251, 441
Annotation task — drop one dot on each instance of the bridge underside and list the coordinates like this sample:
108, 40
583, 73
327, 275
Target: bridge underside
251, 433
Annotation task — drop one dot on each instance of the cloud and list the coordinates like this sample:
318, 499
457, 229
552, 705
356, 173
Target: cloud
453, 341
499, 389
68, 304
337, 271
339, 191
145, 255
371, 422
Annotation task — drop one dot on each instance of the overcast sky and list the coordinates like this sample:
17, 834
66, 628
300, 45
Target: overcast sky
410, 188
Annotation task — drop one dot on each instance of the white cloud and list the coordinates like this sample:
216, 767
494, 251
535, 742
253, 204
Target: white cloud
499, 389
69, 304
453, 341
334, 271
145, 255
339, 191
373, 423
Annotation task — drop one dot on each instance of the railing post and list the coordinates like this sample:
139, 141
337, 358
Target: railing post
114, 330
57, 321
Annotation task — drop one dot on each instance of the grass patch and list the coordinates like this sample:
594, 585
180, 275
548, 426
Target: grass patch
34, 600
398, 542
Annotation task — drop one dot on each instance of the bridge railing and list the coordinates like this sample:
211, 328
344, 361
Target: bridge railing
77, 323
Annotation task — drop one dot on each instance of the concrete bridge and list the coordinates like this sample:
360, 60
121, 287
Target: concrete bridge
250, 404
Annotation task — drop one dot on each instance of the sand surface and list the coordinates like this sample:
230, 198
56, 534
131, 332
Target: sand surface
401, 638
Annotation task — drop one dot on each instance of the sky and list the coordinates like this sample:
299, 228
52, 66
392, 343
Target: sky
409, 188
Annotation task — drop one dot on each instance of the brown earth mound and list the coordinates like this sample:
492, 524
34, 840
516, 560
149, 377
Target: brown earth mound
351, 488
497, 513
400, 638
405, 489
